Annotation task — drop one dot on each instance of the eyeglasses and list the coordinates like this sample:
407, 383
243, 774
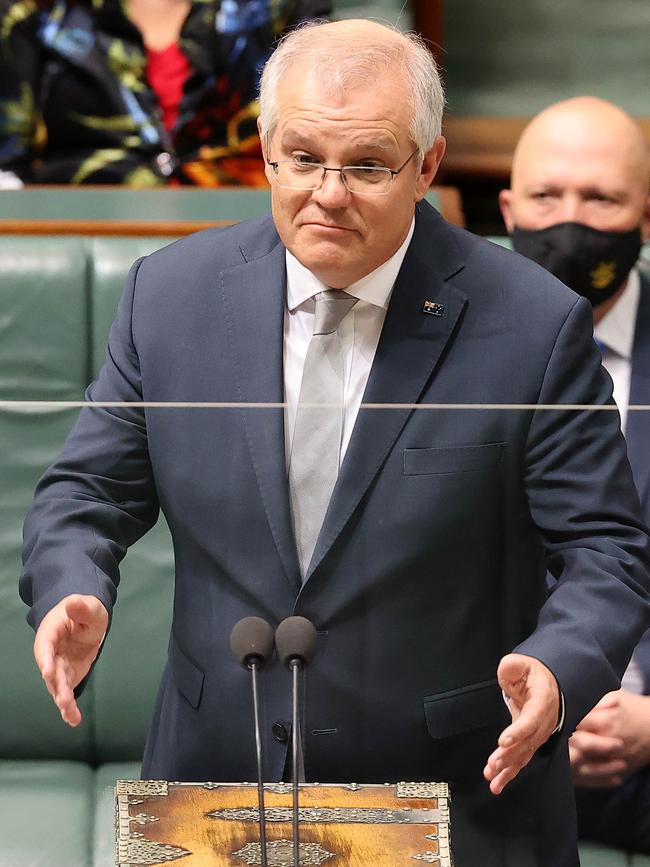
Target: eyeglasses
361, 180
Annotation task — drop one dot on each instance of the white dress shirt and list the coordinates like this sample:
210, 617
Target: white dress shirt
616, 331
359, 333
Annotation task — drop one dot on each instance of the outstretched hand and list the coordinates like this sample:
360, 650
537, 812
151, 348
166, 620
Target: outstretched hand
533, 699
66, 645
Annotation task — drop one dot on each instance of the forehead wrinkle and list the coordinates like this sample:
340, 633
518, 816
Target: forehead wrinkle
376, 135
570, 167
588, 135
298, 138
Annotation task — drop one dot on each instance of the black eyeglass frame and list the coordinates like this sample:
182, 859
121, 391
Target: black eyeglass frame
393, 173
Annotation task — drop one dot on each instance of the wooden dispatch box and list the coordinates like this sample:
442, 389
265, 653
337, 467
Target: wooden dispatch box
217, 824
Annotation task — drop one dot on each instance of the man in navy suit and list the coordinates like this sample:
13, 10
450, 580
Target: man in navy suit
579, 204
441, 654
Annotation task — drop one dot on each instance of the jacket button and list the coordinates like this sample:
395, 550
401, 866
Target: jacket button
280, 733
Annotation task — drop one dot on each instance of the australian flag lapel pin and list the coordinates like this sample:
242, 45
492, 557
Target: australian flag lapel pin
433, 308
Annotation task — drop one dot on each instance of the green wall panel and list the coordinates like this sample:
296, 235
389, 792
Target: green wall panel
394, 11
514, 58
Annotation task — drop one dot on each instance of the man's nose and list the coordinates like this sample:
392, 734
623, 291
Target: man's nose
332, 193
572, 209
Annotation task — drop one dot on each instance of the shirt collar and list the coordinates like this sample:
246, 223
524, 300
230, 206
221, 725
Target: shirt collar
375, 288
616, 328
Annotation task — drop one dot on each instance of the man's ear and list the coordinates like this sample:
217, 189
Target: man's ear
645, 224
268, 171
263, 141
505, 204
430, 165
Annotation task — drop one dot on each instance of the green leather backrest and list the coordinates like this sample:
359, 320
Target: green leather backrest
43, 318
57, 299
43, 355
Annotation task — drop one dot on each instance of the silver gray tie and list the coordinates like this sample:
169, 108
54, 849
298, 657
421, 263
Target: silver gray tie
316, 447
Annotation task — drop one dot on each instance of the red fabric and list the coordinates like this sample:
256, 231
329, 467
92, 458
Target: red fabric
167, 71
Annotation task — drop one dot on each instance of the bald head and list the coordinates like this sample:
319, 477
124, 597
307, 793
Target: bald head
584, 126
357, 53
581, 160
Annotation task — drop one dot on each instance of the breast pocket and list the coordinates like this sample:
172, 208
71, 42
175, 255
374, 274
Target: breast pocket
452, 459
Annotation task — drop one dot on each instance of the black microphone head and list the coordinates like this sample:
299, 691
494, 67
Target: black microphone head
251, 640
295, 638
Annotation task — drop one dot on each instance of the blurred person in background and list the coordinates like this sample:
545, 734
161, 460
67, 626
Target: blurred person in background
136, 92
579, 205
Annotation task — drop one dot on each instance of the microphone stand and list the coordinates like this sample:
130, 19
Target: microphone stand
251, 641
258, 751
295, 642
295, 666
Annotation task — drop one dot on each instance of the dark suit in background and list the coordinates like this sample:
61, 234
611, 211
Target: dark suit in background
431, 562
578, 204
621, 816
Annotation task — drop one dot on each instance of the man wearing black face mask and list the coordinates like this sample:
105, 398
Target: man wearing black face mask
579, 206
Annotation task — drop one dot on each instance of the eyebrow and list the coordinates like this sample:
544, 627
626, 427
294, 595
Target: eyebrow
293, 138
585, 191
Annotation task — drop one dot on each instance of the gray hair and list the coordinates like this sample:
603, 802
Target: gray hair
340, 65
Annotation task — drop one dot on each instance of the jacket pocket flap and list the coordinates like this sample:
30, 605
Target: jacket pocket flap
453, 459
461, 710
187, 676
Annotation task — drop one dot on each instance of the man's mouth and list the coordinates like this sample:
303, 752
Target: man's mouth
319, 224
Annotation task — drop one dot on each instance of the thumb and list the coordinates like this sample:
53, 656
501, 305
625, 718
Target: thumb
88, 617
512, 673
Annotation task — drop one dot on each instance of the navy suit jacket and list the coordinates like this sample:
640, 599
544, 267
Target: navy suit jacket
431, 562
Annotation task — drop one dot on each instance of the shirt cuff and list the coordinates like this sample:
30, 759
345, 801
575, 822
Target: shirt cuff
561, 715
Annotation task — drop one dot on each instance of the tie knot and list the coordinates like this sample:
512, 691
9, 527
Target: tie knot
331, 308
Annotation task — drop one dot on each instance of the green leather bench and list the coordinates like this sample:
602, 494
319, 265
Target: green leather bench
57, 299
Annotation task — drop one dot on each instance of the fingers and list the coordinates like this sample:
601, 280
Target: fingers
601, 721
44, 656
505, 763
64, 694
48, 637
57, 678
534, 702
603, 775
592, 747
517, 745
596, 762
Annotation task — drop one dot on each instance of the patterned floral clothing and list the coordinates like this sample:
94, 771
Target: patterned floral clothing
77, 105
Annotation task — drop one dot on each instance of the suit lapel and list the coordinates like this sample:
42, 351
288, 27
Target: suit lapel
411, 345
254, 296
637, 433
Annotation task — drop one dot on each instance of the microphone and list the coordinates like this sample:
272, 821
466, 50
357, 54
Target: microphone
295, 642
251, 641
